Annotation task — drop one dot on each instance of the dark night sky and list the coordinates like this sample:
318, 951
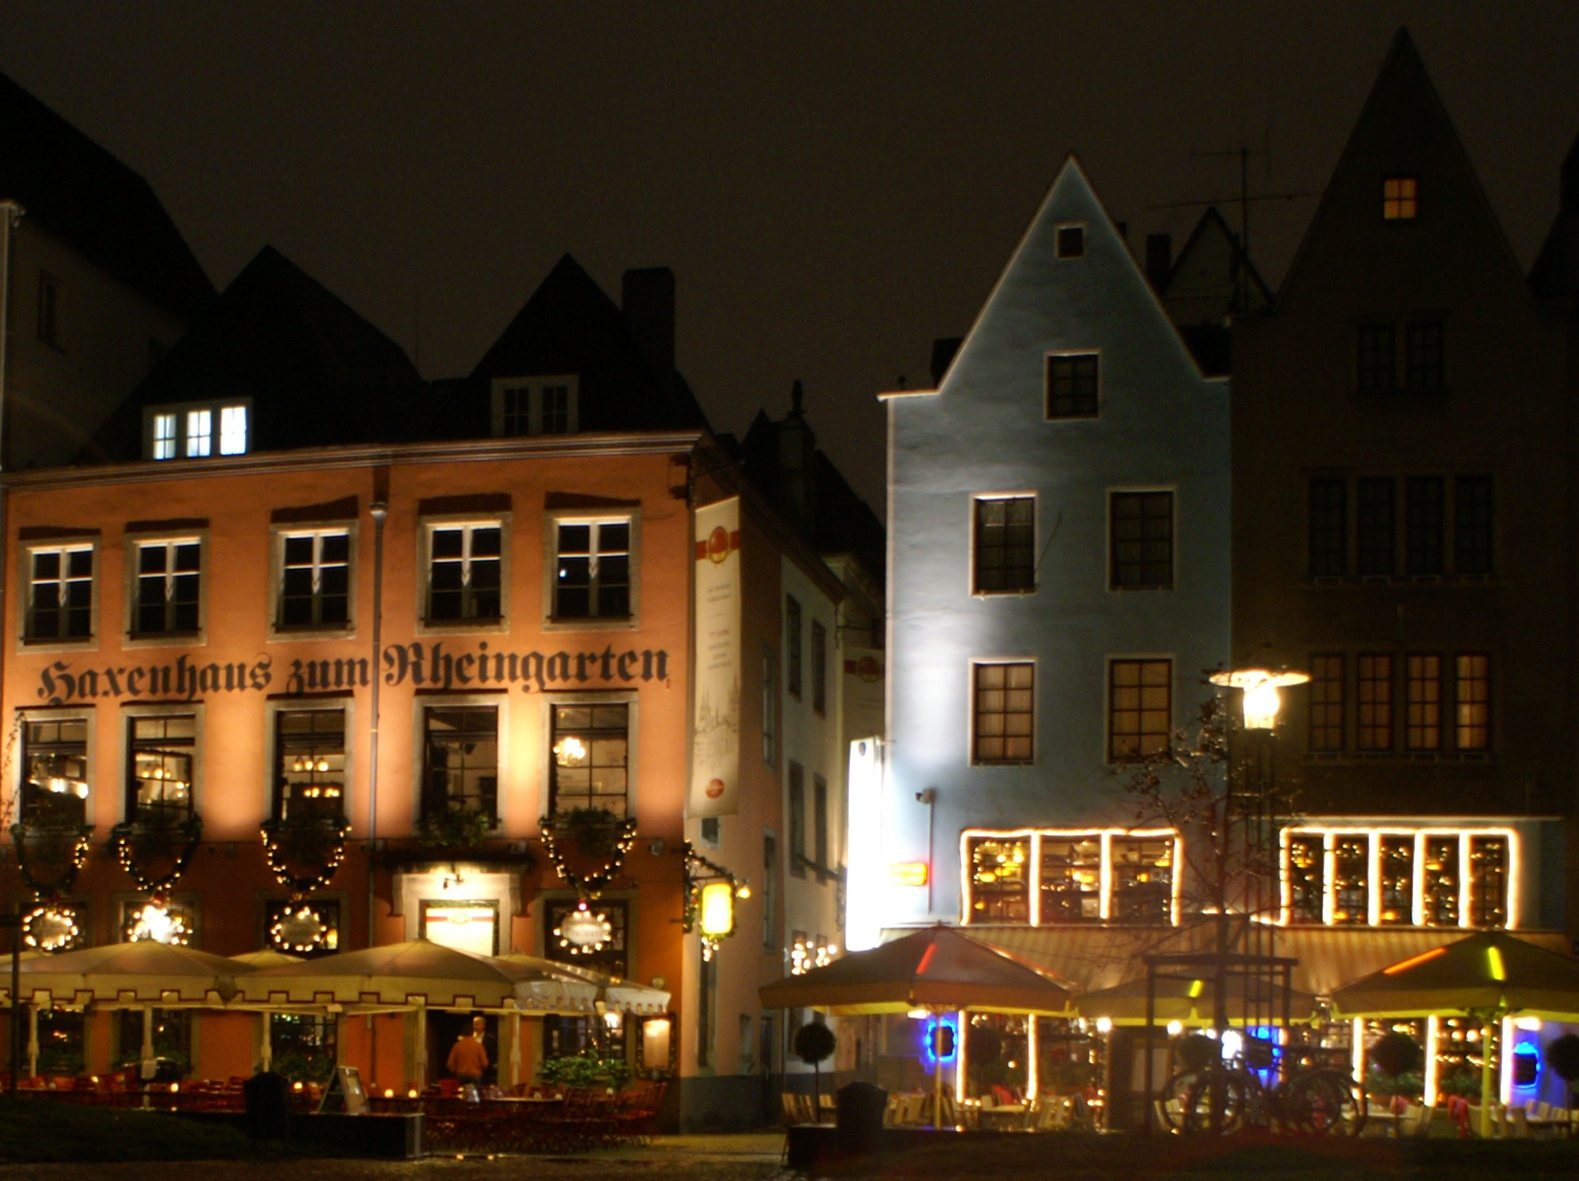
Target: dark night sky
834, 184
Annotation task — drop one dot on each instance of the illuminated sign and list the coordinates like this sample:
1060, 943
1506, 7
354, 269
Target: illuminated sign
908, 873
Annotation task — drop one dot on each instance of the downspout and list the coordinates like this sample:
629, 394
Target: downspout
380, 511
10, 215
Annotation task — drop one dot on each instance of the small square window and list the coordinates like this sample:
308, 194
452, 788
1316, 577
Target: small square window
1400, 198
535, 406
1071, 241
1072, 385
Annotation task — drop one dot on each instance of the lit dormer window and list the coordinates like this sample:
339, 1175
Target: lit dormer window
535, 406
1400, 198
197, 431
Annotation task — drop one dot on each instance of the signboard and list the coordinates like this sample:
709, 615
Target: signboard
715, 755
345, 1087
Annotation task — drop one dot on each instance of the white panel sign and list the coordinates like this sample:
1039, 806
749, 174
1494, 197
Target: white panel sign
715, 757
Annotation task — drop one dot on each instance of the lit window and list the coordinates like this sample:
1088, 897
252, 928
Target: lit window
315, 578
1002, 721
590, 758
1057, 877
1141, 879
1072, 385
1305, 872
1400, 198
168, 588
188, 430
592, 571
1472, 701
465, 573
233, 430
164, 436
1005, 550
999, 869
1375, 676
1397, 864
199, 433
162, 747
309, 751
1325, 700
1351, 863
1488, 881
1423, 702
60, 593
1141, 532
461, 760
55, 762
1440, 885
1071, 878
1140, 709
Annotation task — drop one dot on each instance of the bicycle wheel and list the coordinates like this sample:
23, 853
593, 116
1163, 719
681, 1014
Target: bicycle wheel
1218, 1101
1173, 1097
1325, 1101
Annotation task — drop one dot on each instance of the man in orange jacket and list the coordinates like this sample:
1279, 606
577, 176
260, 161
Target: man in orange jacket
468, 1060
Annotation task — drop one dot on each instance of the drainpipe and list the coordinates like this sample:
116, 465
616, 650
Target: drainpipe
10, 215
380, 510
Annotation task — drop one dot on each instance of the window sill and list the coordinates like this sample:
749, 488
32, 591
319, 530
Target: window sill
57, 643
307, 631
1399, 756
167, 639
587, 623
451, 627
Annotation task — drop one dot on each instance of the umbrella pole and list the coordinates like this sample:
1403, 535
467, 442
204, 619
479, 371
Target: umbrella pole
265, 1042
148, 1033
1485, 1077
515, 1048
422, 1045
32, 1041
937, 1069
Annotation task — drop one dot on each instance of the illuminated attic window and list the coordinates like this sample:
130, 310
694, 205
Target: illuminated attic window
1400, 198
197, 430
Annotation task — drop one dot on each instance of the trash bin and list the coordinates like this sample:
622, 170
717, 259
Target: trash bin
861, 1106
268, 1102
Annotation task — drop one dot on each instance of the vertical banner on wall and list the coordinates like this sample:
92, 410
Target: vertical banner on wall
715, 757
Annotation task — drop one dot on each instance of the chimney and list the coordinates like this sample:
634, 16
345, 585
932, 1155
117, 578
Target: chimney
943, 350
797, 459
1159, 260
647, 299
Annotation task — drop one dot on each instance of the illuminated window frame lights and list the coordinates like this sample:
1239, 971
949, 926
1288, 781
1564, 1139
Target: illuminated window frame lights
1035, 837
1330, 835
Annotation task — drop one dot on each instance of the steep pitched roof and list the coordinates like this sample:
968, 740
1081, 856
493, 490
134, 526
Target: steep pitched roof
1211, 280
317, 373
82, 195
569, 326
1556, 271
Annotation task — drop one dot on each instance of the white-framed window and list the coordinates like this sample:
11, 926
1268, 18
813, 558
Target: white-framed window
1003, 712
166, 587
1399, 875
56, 765
164, 762
1074, 385
198, 430
546, 405
310, 757
593, 571
313, 580
59, 594
591, 742
464, 563
1140, 539
1056, 876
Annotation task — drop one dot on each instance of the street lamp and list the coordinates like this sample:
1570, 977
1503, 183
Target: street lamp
1260, 687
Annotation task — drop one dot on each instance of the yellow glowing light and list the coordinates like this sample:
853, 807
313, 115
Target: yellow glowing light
1414, 960
570, 751
389, 1092
411, 1094
718, 909
1494, 962
908, 873
1260, 692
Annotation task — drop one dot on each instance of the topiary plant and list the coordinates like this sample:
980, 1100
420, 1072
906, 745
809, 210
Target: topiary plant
814, 1041
1562, 1055
1395, 1053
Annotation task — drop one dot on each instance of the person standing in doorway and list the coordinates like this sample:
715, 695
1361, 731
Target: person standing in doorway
468, 1058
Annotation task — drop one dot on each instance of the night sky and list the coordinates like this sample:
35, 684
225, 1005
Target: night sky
834, 184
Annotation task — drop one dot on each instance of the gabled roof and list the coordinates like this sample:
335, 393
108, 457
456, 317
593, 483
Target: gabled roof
79, 193
569, 326
317, 373
1211, 280
1556, 270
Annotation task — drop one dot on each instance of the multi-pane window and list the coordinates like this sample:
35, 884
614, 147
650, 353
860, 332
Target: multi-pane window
161, 757
167, 589
999, 870
1071, 877
1425, 525
1375, 696
1396, 865
1073, 382
309, 755
60, 593
1351, 855
819, 667
1488, 881
1472, 544
1431, 877
591, 757
540, 406
1141, 879
592, 570
1305, 874
770, 878
1374, 525
1423, 366
1329, 537
164, 436
1376, 360
795, 802
1140, 708
315, 578
792, 636
1003, 714
197, 432
460, 764
1005, 558
1400, 198
1325, 699
1141, 527
55, 762
465, 572
1440, 882
1472, 701
1423, 702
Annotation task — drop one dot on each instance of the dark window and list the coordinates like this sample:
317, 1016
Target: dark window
1072, 385
159, 783
1472, 518
60, 593
1004, 714
770, 890
1071, 879
168, 578
315, 588
1375, 690
591, 749
1375, 530
1423, 702
592, 574
999, 870
1423, 365
515, 413
1377, 362
461, 759
770, 706
1400, 198
55, 759
1472, 701
819, 821
1071, 241
1329, 537
1140, 709
309, 746
556, 409
711, 827
48, 309
819, 668
172, 1034
1325, 696
792, 630
1005, 544
1142, 532
1425, 526
797, 819
464, 573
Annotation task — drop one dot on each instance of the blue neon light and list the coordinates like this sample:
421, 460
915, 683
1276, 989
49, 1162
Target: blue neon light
1527, 1065
929, 1040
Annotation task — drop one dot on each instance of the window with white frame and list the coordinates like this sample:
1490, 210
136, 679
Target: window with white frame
1003, 712
59, 592
198, 430
167, 587
592, 569
1385, 876
55, 781
1005, 545
315, 578
465, 572
1052, 876
162, 762
536, 406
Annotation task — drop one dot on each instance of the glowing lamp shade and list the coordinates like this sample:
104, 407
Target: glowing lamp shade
908, 873
718, 909
655, 1043
1260, 687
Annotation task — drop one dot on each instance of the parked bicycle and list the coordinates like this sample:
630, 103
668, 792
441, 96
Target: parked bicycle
1228, 1094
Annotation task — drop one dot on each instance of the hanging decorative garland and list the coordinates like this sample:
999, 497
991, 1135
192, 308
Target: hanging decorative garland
124, 839
621, 833
28, 834
318, 840
302, 930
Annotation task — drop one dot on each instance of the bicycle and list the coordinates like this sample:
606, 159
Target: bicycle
1228, 1094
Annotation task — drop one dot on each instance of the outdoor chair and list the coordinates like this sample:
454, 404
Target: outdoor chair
1517, 1123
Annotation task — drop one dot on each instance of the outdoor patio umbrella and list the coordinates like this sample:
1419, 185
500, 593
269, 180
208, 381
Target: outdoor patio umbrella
1189, 1001
937, 968
1486, 975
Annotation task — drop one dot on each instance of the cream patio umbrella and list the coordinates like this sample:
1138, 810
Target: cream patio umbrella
1189, 1001
1487, 975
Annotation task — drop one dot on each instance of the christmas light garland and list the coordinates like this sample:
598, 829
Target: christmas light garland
277, 836
122, 837
589, 886
694, 863
21, 833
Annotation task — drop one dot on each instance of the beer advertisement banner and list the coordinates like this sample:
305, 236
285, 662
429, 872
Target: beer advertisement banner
715, 757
